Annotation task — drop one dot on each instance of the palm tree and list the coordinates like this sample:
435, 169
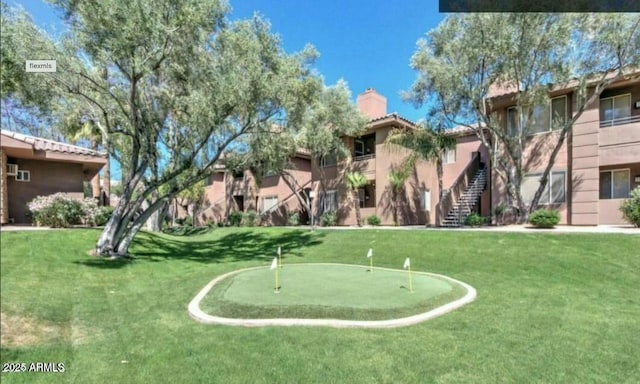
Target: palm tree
428, 144
397, 178
356, 180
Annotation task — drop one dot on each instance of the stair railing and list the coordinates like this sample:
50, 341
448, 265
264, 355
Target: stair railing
460, 185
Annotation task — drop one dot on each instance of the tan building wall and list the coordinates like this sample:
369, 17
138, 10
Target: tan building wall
584, 179
47, 177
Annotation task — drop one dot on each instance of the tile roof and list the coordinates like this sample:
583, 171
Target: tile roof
392, 115
50, 145
462, 129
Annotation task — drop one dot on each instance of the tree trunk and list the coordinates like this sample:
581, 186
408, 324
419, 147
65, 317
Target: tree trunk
95, 181
107, 172
440, 172
356, 199
394, 201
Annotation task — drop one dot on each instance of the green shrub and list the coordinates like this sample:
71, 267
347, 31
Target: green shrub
58, 210
373, 220
235, 218
474, 220
250, 219
211, 223
328, 219
630, 208
544, 218
188, 221
293, 219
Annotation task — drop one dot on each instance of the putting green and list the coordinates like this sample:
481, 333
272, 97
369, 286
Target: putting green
333, 285
328, 291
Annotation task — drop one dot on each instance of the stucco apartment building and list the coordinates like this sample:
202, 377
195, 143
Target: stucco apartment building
599, 163
32, 166
272, 199
371, 156
596, 168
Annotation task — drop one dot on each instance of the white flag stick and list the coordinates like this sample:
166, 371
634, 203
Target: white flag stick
407, 266
370, 253
274, 265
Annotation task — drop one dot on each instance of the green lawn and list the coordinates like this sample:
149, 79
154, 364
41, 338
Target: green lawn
551, 308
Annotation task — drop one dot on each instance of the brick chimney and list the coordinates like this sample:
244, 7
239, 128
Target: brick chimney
372, 104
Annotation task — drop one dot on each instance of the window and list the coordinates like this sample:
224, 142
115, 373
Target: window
22, 175
269, 204
558, 112
12, 169
539, 120
613, 108
328, 161
554, 192
615, 184
449, 156
358, 148
330, 201
238, 174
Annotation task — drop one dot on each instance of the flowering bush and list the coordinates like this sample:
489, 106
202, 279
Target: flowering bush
57, 210
93, 214
61, 210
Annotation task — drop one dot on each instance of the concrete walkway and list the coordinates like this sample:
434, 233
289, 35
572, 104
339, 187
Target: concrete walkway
624, 229
25, 227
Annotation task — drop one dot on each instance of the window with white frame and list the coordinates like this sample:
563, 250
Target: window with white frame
554, 192
22, 175
541, 119
269, 204
614, 108
615, 184
449, 156
330, 201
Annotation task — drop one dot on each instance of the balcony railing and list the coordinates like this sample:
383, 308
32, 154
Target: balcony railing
364, 157
620, 121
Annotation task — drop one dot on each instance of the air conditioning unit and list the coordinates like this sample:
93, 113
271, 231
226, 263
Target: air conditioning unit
12, 169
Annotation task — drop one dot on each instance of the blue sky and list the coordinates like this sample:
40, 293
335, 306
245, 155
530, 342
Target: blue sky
367, 43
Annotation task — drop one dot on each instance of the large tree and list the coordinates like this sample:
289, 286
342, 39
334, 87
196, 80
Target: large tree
319, 132
174, 84
26, 102
528, 55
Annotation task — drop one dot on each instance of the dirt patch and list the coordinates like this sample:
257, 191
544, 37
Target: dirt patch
21, 331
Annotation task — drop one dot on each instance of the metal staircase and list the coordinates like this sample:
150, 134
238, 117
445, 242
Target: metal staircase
467, 201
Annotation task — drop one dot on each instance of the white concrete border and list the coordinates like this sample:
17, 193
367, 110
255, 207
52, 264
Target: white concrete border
196, 313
